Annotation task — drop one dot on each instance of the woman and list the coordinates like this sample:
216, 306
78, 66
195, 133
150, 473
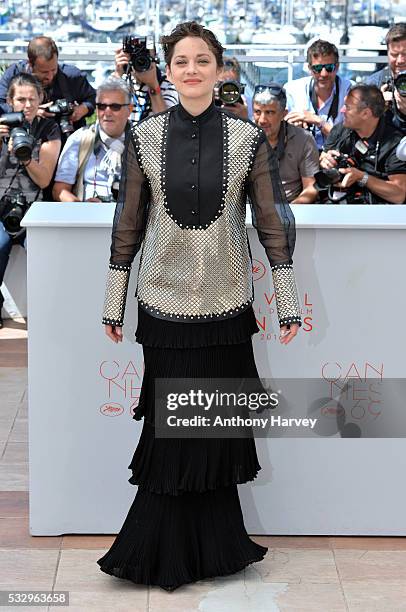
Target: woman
183, 196
31, 176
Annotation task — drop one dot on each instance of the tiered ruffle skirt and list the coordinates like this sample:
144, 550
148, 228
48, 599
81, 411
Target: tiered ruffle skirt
186, 523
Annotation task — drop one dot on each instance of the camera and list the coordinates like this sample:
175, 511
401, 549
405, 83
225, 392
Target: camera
12, 210
398, 83
137, 48
63, 109
325, 178
228, 92
23, 142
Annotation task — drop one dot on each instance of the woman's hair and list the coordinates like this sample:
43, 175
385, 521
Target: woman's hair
191, 28
24, 79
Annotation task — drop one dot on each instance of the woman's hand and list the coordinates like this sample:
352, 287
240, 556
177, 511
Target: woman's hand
114, 333
288, 333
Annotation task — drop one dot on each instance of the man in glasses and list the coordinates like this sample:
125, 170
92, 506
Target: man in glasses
89, 167
314, 102
296, 149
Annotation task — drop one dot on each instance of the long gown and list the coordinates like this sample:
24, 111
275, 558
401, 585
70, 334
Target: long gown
186, 523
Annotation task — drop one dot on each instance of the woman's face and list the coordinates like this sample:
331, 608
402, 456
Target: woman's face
25, 99
193, 69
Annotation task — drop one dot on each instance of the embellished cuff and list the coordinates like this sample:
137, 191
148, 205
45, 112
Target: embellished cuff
287, 303
116, 294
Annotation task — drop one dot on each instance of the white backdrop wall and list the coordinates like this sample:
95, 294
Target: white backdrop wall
82, 387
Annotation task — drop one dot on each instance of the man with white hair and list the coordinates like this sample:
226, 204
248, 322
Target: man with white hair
89, 168
297, 153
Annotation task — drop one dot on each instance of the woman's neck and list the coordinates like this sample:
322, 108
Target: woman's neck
196, 106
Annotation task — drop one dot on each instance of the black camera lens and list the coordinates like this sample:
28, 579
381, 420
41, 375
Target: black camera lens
23, 143
400, 84
228, 92
325, 178
12, 221
136, 47
12, 120
13, 213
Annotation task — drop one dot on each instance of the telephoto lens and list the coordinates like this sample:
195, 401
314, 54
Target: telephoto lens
14, 209
228, 92
400, 83
23, 143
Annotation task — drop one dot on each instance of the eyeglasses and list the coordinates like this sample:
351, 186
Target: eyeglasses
275, 90
317, 68
115, 106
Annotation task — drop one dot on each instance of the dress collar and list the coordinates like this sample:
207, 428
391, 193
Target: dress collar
206, 114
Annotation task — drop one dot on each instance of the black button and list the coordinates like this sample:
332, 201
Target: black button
194, 135
193, 212
193, 186
193, 160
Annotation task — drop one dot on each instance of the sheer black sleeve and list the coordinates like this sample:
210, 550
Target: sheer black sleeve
271, 214
127, 233
273, 219
131, 210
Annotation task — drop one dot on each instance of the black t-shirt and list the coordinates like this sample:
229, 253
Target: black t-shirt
14, 178
380, 160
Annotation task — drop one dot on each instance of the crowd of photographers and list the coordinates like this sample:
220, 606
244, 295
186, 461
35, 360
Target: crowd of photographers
336, 141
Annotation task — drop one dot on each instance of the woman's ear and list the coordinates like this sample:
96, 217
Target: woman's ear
168, 72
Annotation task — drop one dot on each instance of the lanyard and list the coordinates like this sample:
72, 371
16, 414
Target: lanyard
333, 110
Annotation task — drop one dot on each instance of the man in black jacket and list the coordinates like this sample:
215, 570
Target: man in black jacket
372, 173
58, 80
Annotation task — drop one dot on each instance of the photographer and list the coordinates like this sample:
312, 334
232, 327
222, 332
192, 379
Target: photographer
152, 92
59, 81
89, 168
28, 159
314, 102
371, 173
231, 74
392, 79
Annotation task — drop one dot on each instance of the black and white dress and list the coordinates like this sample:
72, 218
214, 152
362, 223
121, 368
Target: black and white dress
183, 198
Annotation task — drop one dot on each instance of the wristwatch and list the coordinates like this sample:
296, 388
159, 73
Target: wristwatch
362, 182
154, 91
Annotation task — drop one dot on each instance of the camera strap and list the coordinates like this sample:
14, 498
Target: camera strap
333, 110
282, 139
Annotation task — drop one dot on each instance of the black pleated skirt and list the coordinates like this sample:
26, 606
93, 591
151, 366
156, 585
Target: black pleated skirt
185, 523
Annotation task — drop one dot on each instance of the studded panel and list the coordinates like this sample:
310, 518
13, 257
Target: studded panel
116, 294
196, 272
287, 302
